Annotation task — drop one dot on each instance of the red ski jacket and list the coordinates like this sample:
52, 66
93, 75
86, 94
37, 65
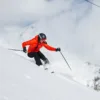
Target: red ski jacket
35, 45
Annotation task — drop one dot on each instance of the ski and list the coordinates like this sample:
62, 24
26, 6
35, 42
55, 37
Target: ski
47, 69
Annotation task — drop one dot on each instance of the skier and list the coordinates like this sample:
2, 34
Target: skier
35, 44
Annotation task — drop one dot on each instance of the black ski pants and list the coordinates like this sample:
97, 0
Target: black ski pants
37, 56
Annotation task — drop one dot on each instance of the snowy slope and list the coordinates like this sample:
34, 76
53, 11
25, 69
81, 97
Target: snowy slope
59, 66
65, 21
22, 80
72, 25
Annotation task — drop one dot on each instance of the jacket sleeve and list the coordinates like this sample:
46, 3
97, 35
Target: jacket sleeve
24, 44
49, 47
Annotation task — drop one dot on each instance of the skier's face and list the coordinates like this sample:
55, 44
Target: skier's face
43, 40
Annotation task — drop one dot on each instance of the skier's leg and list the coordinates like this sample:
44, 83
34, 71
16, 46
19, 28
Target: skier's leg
41, 55
36, 57
31, 54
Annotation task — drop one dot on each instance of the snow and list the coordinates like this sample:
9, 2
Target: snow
23, 80
72, 25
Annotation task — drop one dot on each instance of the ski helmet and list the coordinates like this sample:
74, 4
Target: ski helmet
42, 36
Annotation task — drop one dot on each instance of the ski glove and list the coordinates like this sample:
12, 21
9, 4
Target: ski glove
58, 49
24, 49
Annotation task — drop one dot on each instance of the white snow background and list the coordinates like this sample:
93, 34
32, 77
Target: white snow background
72, 25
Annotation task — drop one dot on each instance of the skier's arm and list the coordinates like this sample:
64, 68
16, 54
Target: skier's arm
24, 44
49, 47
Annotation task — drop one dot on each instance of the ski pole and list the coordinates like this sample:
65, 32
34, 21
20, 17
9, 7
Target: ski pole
65, 60
15, 49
